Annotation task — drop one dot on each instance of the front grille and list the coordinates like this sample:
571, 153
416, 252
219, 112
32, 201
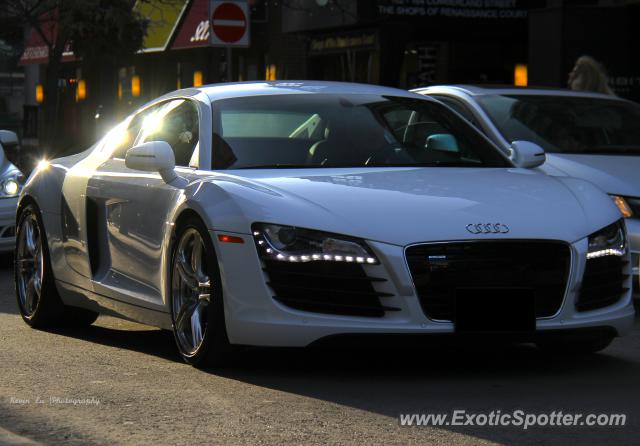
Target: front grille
326, 287
439, 269
603, 283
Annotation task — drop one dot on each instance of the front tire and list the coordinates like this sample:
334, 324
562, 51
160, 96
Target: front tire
38, 299
197, 307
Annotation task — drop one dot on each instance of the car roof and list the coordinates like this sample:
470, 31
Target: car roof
260, 88
482, 90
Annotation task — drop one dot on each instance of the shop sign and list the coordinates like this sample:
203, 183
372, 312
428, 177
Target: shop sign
460, 9
334, 43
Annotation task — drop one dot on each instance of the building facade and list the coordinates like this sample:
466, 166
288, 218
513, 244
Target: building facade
401, 43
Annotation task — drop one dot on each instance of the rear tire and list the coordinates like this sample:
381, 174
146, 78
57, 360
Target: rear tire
568, 344
197, 306
38, 299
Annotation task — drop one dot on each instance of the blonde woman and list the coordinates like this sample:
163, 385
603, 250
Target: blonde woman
589, 75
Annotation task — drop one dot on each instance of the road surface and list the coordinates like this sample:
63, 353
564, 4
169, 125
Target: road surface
122, 383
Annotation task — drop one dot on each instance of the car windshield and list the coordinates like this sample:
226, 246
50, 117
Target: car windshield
351, 130
567, 124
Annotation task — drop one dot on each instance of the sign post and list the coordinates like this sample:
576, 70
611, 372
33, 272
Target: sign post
230, 26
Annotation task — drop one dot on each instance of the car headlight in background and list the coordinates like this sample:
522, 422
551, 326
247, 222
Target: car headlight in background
10, 185
292, 244
609, 241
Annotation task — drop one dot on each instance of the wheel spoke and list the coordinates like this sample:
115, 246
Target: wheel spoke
38, 270
186, 310
25, 265
30, 296
37, 248
186, 274
196, 326
37, 283
29, 236
196, 258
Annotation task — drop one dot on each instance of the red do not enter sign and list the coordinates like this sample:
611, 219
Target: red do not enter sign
229, 22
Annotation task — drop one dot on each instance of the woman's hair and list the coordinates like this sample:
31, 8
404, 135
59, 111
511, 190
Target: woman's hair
589, 75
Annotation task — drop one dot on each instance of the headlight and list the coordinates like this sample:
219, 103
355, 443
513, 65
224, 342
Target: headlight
292, 244
610, 241
623, 205
10, 185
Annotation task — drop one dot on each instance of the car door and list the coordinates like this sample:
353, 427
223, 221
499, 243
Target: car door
127, 209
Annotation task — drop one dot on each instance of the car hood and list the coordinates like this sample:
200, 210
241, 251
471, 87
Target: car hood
614, 174
408, 205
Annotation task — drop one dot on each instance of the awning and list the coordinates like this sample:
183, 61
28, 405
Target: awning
194, 31
164, 19
37, 51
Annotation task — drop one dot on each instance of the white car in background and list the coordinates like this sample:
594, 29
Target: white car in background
288, 213
590, 136
10, 183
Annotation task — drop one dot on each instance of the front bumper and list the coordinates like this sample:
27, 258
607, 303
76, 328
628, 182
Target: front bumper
7, 223
254, 318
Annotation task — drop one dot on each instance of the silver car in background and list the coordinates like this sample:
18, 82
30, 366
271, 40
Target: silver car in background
11, 180
590, 136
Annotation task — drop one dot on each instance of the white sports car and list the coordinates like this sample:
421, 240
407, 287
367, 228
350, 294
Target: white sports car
283, 214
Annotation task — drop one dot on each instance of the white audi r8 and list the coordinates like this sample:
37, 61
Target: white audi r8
286, 213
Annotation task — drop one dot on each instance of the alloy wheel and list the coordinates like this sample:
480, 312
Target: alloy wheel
29, 264
191, 292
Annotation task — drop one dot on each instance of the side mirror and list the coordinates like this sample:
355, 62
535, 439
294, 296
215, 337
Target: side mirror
527, 154
443, 142
153, 156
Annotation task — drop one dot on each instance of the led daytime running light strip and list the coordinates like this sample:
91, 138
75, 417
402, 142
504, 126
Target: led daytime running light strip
278, 255
605, 253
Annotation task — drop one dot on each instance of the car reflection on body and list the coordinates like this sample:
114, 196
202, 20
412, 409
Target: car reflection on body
284, 214
590, 136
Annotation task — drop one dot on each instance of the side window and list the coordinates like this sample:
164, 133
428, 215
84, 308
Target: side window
413, 127
126, 140
398, 119
176, 123
428, 136
458, 107
269, 124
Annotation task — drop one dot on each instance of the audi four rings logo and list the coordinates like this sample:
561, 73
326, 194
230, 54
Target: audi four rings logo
487, 228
